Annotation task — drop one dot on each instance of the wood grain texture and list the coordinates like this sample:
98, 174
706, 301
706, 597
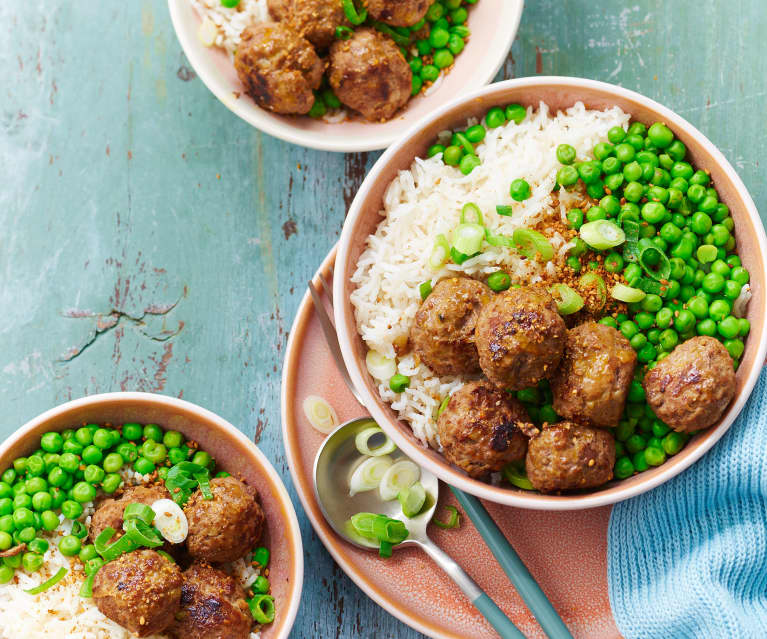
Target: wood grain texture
152, 241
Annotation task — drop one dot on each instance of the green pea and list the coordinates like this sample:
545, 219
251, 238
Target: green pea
515, 113
434, 150
6, 541
654, 455
83, 492
612, 166
744, 326
616, 135
6, 574
153, 451
6, 524
417, 85
202, 458
49, 520
51, 442
132, 431
102, 439
628, 329
70, 545
684, 321
113, 462
636, 392
31, 561
603, 150
718, 310
22, 500
623, 468
72, 446
566, 154
567, 175
637, 128
653, 212
456, 43
438, 37
589, 171
519, 190
468, 163
261, 556
609, 321
735, 347
668, 339
474, 134
728, 327
452, 155
499, 281
706, 327
23, 517
636, 141
111, 483
647, 353
87, 553
443, 58
42, 501
143, 466
94, 474
92, 454
176, 455
660, 135
635, 443
596, 213
495, 117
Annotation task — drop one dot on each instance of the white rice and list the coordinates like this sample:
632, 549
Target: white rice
230, 23
60, 612
426, 200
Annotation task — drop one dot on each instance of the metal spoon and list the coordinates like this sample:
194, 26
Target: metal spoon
332, 467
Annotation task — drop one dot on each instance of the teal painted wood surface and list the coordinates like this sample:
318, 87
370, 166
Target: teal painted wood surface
150, 240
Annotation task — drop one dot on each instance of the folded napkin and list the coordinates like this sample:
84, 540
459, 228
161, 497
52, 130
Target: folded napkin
689, 559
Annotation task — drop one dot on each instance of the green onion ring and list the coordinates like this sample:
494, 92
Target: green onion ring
602, 234
443, 405
165, 555
468, 146
664, 267
627, 293
48, 584
363, 524
470, 207
631, 248
453, 522
517, 476
352, 15
468, 238
389, 530
458, 257
344, 33
262, 608
504, 209
440, 253
203, 479
79, 530
533, 244
141, 534
102, 539
385, 549
86, 590
498, 240
589, 280
424, 289
139, 511
567, 299
401, 40
120, 547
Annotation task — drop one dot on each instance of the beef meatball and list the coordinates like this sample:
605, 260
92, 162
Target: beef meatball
369, 74
595, 374
691, 388
213, 606
140, 590
568, 456
481, 429
226, 527
315, 20
442, 334
278, 68
398, 13
520, 338
110, 511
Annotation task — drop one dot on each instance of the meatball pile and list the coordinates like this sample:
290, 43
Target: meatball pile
147, 593
516, 339
282, 63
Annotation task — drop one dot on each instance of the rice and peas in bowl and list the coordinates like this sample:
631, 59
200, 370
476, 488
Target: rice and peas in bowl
93, 523
637, 254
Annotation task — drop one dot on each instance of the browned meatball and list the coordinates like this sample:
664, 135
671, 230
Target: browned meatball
369, 74
110, 511
213, 606
691, 388
226, 527
442, 334
520, 338
315, 20
140, 590
278, 68
595, 374
398, 13
481, 429
568, 456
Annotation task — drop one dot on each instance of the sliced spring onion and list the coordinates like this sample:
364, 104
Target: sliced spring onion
740, 305
533, 244
602, 234
352, 15
412, 499
443, 405
592, 280
392, 531
344, 32
516, 476
92, 566
468, 146
79, 529
181, 477
663, 269
380, 366
706, 253
439, 253
453, 522
320, 414
498, 240
384, 447
504, 209
425, 289
470, 209
208, 32
458, 257
170, 520
165, 555
141, 534
262, 608
649, 286
398, 477
46, 585
568, 301
120, 547
401, 40
363, 524
627, 293
468, 238
385, 549
102, 540
368, 474
139, 511
631, 247
203, 479
86, 590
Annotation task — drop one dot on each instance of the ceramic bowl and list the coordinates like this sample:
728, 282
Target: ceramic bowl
224, 442
558, 93
493, 25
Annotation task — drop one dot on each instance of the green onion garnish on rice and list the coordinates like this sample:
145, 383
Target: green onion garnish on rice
46, 585
533, 244
567, 299
602, 234
627, 294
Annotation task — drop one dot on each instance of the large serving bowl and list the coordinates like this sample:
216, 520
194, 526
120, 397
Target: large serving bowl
493, 25
224, 442
558, 93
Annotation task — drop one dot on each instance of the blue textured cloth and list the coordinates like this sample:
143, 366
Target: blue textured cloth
689, 559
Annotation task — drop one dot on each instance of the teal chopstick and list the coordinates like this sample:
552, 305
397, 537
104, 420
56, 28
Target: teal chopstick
512, 565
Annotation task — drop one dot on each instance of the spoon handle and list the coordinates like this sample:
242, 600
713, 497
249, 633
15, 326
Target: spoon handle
502, 624
512, 565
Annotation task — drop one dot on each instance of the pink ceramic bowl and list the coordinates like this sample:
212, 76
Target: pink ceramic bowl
558, 93
493, 25
224, 442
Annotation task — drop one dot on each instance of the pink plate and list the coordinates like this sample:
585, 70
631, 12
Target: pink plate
565, 551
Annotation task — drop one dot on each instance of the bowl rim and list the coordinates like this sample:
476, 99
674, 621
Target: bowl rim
259, 119
374, 405
293, 535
